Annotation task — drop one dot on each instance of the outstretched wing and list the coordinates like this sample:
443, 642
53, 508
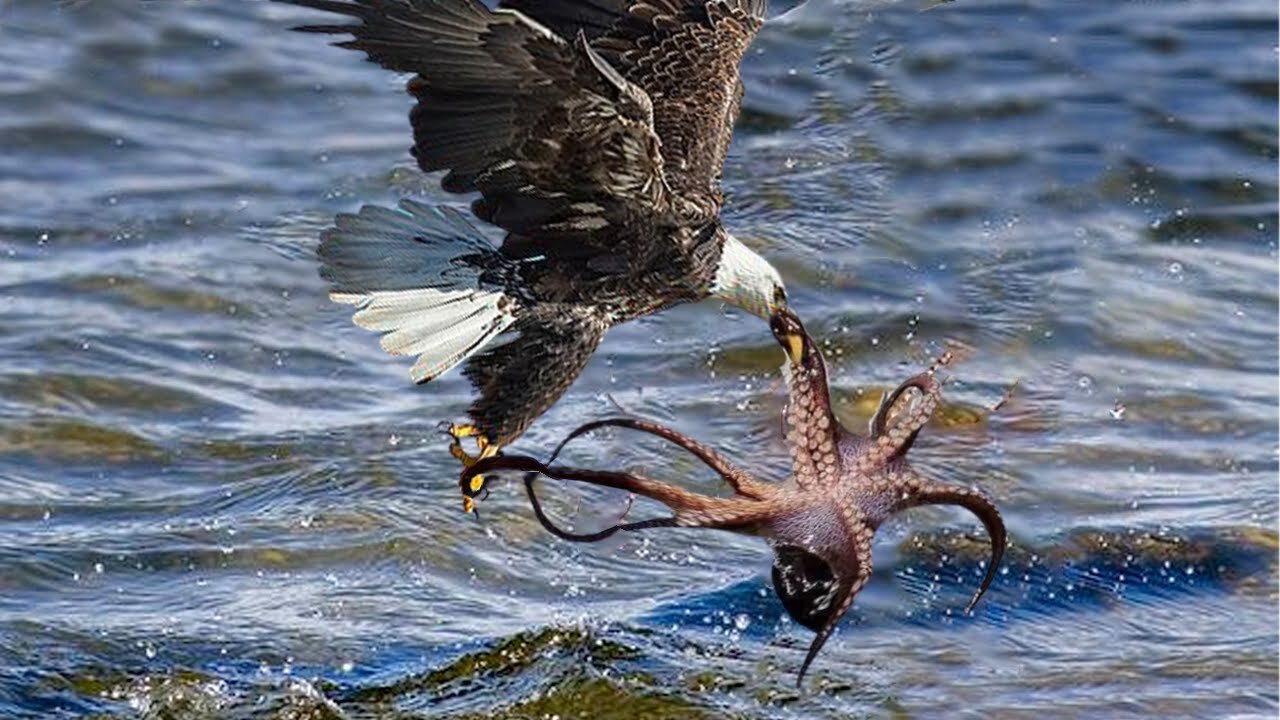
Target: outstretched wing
686, 55
555, 140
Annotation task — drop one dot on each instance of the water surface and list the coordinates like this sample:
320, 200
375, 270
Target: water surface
218, 498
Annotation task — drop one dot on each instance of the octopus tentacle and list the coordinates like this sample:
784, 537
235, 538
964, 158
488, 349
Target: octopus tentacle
926, 492
563, 534
740, 480
926, 382
894, 439
665, 493
812, 431
691, 509
850, 585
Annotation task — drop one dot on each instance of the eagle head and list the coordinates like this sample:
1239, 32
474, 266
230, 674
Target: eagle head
745, 279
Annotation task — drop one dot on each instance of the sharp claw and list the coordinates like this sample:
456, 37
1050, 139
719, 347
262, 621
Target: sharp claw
474, 484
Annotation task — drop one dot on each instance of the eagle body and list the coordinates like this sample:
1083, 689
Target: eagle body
594, 133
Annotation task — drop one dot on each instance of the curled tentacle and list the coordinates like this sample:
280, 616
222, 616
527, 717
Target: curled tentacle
932, 493
559, 532
928, 384
908, 419
563, 534
691, 509
673, 497
676, 498
740, 480
889, 404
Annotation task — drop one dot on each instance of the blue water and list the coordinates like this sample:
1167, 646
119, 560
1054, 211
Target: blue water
218, 498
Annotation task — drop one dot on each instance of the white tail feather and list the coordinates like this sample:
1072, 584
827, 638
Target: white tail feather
399, 269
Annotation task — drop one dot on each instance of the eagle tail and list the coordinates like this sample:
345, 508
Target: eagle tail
423, 276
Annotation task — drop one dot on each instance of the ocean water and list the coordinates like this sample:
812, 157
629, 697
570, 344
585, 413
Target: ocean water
220, 499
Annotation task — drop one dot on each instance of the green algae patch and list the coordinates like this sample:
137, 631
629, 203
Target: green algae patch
760, 358
238, 451
78, 392
74, 441
143, 295
185, 694
512, 656
182, 694
600, 699
711, 681
554, 672
855, 409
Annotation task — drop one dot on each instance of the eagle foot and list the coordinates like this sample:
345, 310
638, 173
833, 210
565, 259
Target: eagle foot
484, 449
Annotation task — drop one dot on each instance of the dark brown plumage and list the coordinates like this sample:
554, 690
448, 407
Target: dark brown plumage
822, 520
595, 132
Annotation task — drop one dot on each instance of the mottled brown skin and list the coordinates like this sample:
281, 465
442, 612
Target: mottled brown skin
821, 520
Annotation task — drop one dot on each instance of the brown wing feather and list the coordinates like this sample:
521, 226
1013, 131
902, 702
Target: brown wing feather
685, 54
555, 141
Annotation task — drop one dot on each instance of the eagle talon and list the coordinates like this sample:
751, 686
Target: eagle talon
471, 486
465, 430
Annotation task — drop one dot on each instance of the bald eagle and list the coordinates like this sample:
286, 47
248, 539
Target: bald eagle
595, 132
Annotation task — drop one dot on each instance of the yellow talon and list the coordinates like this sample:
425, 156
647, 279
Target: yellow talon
467, 430
472, 486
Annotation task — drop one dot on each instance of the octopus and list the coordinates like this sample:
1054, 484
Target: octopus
821, 520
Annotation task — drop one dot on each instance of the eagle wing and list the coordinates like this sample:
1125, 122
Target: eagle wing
685, 54
559, 145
